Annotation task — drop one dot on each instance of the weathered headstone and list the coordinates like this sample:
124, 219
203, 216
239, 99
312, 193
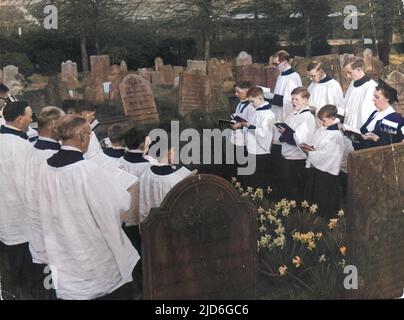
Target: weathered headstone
243, 59
158, 64
255, 73
157, 78
138, 99
69, 74
396, 79
124, 66
93, 89
194, 93
197, 67
271, 75
220, 74
375, 221
200, 244
100, 67
9, 73
145, 73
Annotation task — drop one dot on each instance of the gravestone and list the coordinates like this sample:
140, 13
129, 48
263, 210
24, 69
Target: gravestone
93, 90
145, 73
158, 64
200, 244
178, 70
157, 78
69, 74
255, 73
243, 59
396, 79
271, 76
1, 75
9, 74
220, 74
375, 221
100, 67
124, 66
138, 99
197, 67
194, 93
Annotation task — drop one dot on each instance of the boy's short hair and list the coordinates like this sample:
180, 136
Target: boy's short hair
302, 91
356, 63
328, 111
255, 92
282, 55
80, 106
246, 85
315, 65
70, 126
116, 133
134, 138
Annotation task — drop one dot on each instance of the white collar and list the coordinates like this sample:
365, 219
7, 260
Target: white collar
301, 110
381, 114
11, 127
47, 139
70, 148
134, 151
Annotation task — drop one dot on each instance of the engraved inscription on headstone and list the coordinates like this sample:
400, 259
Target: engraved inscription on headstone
194, 93
100, 67
138, 99
200, 244
255, 73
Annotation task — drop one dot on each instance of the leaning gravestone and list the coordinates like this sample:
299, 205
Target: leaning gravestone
69, 74
100, 67
397, 80
138, 99
375, 221
200, 244
197, 67
194, 93
243, 59
254, 73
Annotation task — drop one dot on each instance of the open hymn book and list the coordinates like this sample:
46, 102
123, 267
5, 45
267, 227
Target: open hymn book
353, 134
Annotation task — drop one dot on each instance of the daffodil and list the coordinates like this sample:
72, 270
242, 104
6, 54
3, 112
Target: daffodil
333, 223
313, 209
297, 261
283, 270
341, 213
322, 259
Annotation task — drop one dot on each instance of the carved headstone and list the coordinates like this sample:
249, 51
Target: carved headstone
138, 99
197, 67
200, 244
93, 89
157, 78
124, 66
375, 223
194, 93
255, 73
100, 67
145, 73
69, 74
220, 73
243, 59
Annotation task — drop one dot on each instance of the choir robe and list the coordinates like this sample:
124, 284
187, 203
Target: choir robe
259, 142
80, 210
386, 124
14, 152
43, 149
327, 91
303, 125
282, 105
358, 102
322, 185
115, 153
246, 111
155, 183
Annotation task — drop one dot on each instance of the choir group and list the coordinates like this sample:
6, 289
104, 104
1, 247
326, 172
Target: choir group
71, 205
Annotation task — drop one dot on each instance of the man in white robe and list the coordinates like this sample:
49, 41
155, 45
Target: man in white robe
89, 253
358, 103
157, 181
14, 223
